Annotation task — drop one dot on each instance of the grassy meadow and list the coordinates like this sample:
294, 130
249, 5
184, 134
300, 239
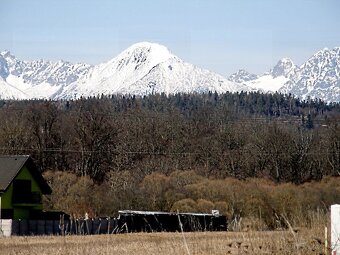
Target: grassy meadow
299, 241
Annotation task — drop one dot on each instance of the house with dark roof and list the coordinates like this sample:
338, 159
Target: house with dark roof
21, 188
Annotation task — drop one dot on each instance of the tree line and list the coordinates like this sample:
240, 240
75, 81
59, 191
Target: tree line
239, 135
253, 203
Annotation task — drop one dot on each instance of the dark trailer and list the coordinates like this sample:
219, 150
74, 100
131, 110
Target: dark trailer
144, 221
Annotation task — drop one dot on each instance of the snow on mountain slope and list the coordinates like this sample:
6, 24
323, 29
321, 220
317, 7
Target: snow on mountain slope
113, 76
271, 81
3, 67
284, 67
41, 71
242, 76
147, 68
37, 79
175, 75
318, 77
267, 83
9, 92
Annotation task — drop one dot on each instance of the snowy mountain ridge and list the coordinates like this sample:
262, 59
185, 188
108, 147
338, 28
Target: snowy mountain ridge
35, 79
146, 68
318, 77
141, 69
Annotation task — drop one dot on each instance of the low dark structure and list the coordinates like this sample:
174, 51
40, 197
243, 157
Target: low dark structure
143, 221
126, 222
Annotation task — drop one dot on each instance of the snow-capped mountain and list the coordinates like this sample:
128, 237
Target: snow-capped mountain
141, 69
318, 77
36, 79
146, 68
284, 67
242, 76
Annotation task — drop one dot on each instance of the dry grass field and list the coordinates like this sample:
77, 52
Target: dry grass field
275, 242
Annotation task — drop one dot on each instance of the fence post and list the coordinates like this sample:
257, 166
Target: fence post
326, 241
108, 225
335, 229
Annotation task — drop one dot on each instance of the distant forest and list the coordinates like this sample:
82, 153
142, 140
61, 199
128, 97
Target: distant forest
239, 135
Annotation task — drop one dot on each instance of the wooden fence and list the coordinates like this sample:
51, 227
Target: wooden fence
127, 221
58, 227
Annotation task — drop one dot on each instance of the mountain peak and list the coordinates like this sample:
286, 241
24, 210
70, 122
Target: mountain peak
146, 45
242, 76
325, 58
327, 51
285, 60
318, 77
133, 63
283, 67
144, 52
6, 54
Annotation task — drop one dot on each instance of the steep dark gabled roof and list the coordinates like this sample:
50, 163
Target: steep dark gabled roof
10, 167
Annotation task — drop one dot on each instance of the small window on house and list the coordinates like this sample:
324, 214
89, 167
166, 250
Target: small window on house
21, 191
7, 214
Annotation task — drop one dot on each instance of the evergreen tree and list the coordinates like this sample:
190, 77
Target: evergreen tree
309, 123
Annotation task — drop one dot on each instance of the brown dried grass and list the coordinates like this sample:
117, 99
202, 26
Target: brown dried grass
303, 241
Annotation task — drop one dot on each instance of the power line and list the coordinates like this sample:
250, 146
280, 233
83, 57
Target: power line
117, 152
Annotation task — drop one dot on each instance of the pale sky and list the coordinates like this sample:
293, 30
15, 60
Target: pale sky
220, 35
